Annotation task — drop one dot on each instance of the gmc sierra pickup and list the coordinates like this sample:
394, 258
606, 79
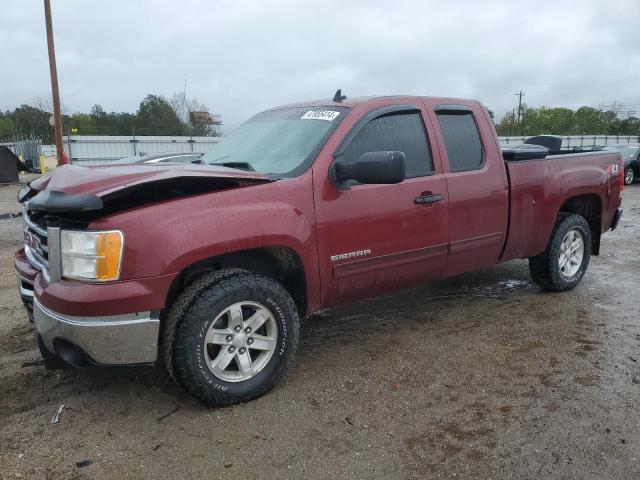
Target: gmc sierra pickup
208, 268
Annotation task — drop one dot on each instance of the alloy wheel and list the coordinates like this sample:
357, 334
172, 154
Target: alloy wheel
240, 341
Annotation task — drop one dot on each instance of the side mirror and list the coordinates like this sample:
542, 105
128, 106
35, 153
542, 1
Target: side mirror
371, 167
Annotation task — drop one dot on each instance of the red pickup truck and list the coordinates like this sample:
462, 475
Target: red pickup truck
208, 268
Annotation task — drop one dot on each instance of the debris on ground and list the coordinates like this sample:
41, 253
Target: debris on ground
169, 414
56, 415
7, 216
33, 363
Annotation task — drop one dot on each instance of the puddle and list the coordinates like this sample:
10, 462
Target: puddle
551, 406
587, 380
513, 284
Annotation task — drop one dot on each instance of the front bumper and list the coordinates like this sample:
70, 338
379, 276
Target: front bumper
112, 340
88, 324
25, 287
616, 219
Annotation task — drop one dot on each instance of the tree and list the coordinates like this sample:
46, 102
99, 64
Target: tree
184, 107
508, 125
545, 120
7, 128
82, 123
31, 121
587, 121
123, 123
45, 103
155, 116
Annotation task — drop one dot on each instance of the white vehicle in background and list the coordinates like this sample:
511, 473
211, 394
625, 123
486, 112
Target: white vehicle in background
162, 157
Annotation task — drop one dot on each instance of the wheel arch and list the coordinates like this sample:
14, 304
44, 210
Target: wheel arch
589, 206
281, 263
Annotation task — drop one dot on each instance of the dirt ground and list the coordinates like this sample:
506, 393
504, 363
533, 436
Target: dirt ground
480, 376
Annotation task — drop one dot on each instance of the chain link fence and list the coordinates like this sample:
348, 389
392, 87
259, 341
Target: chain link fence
28, 150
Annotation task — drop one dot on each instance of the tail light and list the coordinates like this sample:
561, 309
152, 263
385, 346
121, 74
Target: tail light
618, 170
621, 177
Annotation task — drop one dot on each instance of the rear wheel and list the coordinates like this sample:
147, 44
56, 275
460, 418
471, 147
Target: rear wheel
231, 337
629, 176
565, 260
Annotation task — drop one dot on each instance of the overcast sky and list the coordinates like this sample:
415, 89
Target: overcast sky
239, 57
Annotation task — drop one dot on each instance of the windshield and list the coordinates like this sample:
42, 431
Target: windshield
276, 142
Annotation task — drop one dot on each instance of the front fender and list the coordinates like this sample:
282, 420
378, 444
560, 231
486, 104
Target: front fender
167, 237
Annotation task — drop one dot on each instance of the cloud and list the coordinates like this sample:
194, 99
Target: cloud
241, 57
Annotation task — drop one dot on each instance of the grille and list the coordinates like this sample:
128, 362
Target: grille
36, 245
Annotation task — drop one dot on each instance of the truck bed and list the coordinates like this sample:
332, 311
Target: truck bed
538, 188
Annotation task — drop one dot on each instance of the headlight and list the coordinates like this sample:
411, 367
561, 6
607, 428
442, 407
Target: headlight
91, 255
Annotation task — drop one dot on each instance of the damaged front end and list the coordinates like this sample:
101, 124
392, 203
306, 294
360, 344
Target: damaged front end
59, 244
69, 198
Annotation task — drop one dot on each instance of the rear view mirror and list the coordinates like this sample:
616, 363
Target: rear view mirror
372, 167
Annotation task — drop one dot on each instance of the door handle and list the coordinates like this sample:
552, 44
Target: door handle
428, 197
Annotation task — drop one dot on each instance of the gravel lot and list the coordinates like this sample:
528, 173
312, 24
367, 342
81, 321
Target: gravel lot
480, 376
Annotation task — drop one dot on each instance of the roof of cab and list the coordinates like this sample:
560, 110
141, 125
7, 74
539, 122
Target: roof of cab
354, 101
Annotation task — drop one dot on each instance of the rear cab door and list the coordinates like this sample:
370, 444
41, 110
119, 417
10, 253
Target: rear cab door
377, 238
477, 186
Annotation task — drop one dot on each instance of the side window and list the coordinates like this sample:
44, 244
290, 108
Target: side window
462, 139
400, 132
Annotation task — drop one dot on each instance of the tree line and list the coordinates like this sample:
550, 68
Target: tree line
156, 115
614, 120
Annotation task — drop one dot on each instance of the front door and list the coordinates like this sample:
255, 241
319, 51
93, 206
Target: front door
377, 238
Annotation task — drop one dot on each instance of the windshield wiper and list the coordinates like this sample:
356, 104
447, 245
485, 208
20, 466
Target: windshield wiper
237, 165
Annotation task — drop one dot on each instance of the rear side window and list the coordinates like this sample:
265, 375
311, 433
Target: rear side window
462, 139
395, 132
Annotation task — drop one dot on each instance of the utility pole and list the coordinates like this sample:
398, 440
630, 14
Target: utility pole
513, 117
520, 116
184, 102
57, 117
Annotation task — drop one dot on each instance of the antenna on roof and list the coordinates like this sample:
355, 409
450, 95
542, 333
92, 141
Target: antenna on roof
338, 97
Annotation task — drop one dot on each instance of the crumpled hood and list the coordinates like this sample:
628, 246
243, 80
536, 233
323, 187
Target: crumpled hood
92, 191
104, 180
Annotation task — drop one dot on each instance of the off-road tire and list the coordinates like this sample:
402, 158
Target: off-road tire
545, 268
189, 319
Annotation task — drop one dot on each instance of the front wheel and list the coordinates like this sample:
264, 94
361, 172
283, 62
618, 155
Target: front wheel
628, 176
231, 337
564, 262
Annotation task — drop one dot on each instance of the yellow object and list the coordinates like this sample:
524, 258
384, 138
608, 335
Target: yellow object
108, 253
74, 130
43, 165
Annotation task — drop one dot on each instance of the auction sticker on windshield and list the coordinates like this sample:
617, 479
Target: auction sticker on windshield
328, 115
